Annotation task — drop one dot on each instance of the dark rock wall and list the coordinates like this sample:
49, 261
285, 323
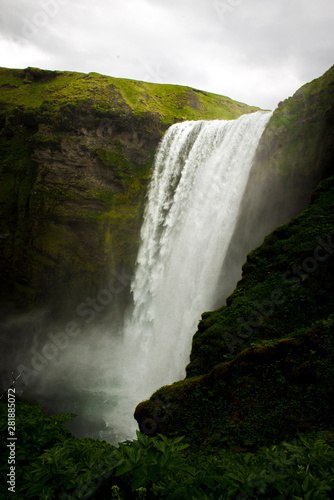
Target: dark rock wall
261, 367
76, 153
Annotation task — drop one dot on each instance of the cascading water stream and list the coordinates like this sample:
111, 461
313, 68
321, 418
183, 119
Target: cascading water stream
200, 174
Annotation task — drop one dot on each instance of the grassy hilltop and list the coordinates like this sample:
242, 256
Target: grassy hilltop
76, 153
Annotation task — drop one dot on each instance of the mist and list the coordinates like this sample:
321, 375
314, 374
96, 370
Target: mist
205, 211
118, 347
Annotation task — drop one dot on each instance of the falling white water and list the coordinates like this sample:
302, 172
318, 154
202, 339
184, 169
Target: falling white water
200, 174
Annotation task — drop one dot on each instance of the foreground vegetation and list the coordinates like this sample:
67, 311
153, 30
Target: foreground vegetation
53, 464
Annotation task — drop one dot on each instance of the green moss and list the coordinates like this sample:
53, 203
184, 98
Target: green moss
268, 393
18, 174
261, 366
275, 271
293, 141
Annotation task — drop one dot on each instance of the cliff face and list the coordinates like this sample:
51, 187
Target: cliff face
76, 153
295, 153
261, 366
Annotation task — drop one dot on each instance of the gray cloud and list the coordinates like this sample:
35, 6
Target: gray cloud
255, 51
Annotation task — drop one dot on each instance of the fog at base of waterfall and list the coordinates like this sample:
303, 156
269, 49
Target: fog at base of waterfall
200, 173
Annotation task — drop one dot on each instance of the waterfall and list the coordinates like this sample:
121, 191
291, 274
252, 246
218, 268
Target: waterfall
200, 174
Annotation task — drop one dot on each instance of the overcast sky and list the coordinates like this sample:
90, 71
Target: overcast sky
255, 51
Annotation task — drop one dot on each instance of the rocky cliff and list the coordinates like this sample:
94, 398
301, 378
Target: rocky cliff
262, 366
295, 153
76, 153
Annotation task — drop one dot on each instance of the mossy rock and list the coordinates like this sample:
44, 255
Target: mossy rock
261, 367
76, 154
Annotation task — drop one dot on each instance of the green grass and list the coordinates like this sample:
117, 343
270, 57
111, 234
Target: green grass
55, 90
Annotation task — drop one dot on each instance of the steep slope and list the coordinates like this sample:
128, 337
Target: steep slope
295, 153
75, 158
262, 366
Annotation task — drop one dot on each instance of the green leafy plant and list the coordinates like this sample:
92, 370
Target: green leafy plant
51, 463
